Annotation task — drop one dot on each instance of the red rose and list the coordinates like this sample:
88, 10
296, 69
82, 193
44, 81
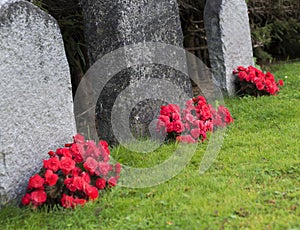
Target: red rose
250, 77
26, 199
51, 153
79, 183
203, 134
118, 168
86, 177
100, 183
76, 154
205, 113
175, 116
281, 83
64, 152
52, 163
91, 192
105, 146
174, 108
195, 133
178, 126
50, 178
161, 127
201, 101
189, 104
103, 169
38, 197
68, 181
187, 126
186, 139
170, 127
189, 117
79, 139
78, 201
92, 150
242, 75
76, 171
112, 181
105, 156
90, 165
165, 110
241, 68
67, 165
36, 182
217, 121
81, 151
164, 119
71, 186
270, 76
67, 201
259, 86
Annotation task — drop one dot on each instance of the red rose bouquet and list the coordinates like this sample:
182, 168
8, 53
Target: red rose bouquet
73, 175
252, 81
192, 123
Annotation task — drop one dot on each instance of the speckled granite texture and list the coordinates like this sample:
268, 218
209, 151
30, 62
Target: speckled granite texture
114, 24
229, 39
36, 106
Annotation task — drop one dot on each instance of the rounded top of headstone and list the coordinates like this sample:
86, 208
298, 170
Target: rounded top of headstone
2, 2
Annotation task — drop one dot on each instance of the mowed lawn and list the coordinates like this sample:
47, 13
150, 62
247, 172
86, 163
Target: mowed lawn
253, 184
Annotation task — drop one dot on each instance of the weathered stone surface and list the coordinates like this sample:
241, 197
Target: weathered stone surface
36, 107
229, 39
114, 24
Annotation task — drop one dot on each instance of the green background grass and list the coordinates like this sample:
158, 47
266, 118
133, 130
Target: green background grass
253, 184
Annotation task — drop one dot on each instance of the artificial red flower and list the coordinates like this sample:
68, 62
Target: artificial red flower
280, 82
36, 182
51, 153
170, 127
103, 169
104, 145
50, 177
241, 68
195, 133
263, 83
70, 185
64, 152
178, 126
67, 174
52, 164
76, 155
91, 192
92, 150
78, 201
79, 139
90, 165
105, 156
67, 165
86, 177
26, 199
76, 171
100, 183
112, 181
260, 86
78, 183
186, 139
67, 201
38, 197
118, 167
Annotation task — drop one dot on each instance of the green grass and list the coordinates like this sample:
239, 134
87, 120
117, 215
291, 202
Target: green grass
253, 184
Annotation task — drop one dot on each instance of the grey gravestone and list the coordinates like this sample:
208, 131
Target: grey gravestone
36, 107
229, 39
110, 25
